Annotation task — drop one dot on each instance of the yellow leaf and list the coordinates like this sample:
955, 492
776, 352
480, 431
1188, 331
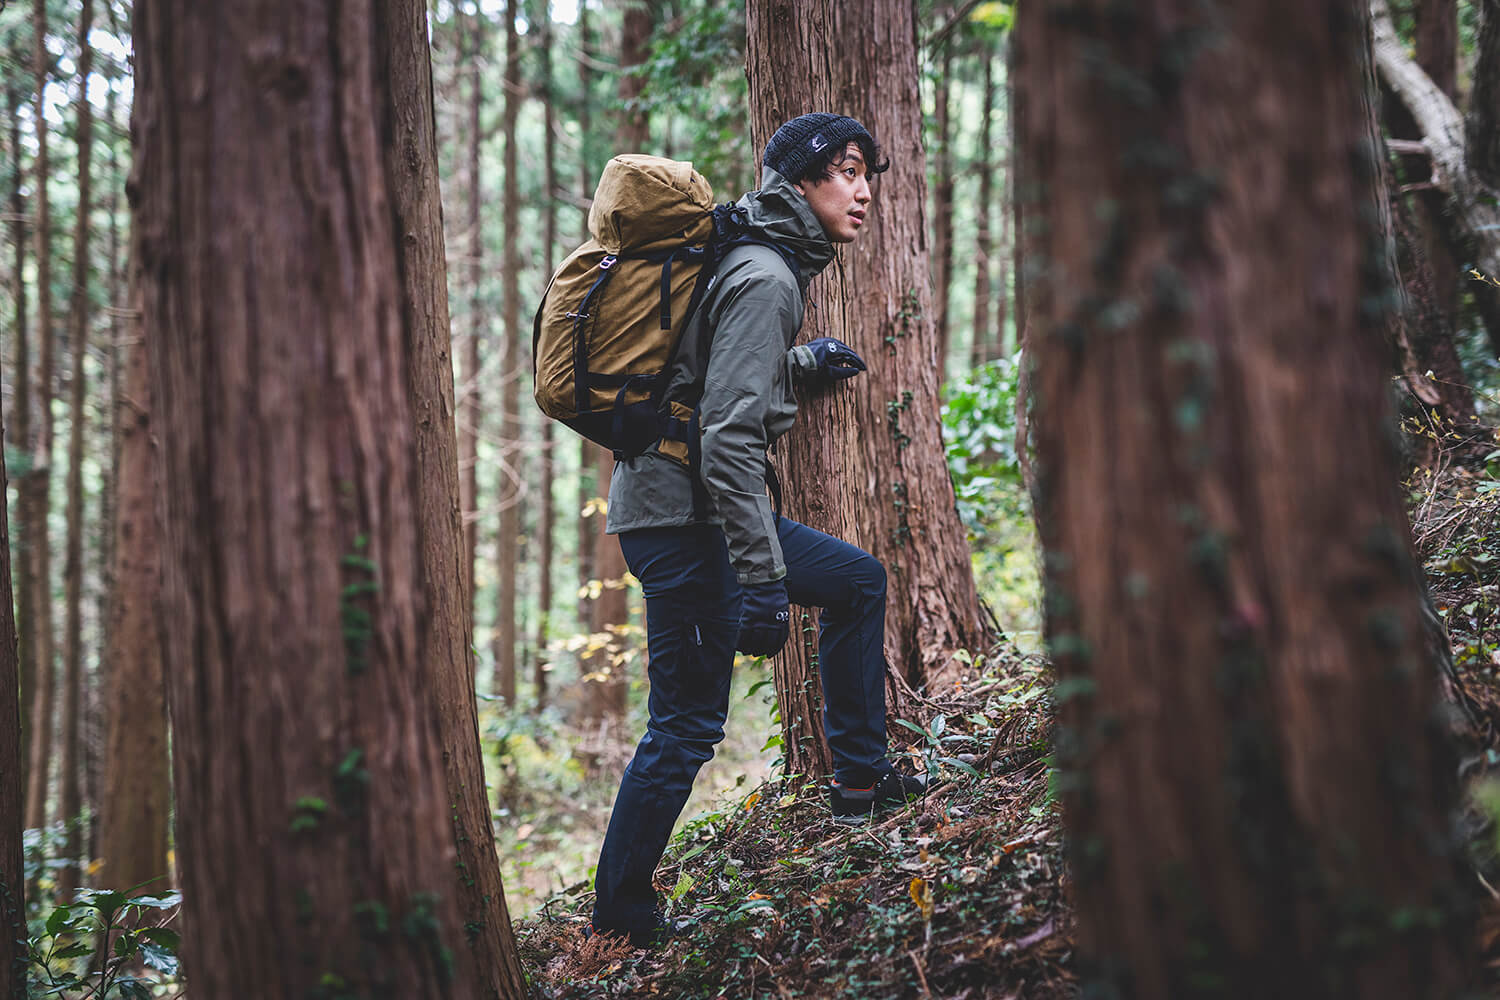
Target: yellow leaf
752, 799
921, 894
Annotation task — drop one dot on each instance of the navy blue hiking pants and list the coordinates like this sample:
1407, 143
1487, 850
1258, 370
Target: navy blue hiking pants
692, 621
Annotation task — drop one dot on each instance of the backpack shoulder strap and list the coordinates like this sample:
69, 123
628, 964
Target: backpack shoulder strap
732, 229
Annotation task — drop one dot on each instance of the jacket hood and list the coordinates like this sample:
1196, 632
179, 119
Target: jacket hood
781, 212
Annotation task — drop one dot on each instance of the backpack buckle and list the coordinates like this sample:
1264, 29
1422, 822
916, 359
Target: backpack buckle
608, 262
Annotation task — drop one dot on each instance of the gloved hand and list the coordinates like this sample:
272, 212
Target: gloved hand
765, 619
836, 359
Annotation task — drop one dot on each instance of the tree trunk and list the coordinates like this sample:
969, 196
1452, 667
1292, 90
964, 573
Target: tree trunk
447, 639
1483, 125
1426, 346
548, 526
867, 463
19, 425
135, 803
13, 952
609, 607
509, 489
1247, 743
1437, 43
1459, 169
942, 210
604, 677
587, 489
984, 165
107, 407
469, 413
38, 480
1437, 55
79, 317
307, 703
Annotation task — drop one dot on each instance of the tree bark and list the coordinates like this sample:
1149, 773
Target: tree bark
79, 317
1483, 124
587, 488
1437, 56
447, 639
609, 606
13, 951
942, 209
1472, 215
548, 527
38, 481
604, 678
984, 167
509, 490
135, 801
469, 416
1247, 745
867, 463
307, 703
1426, 345
1437, 43
19, 424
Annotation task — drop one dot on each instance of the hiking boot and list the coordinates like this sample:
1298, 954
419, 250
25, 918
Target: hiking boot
892, 788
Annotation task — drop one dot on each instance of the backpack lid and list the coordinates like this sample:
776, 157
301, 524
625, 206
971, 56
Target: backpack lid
642, 200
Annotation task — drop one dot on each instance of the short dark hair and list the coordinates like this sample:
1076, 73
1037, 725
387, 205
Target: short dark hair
822, 166
810, 145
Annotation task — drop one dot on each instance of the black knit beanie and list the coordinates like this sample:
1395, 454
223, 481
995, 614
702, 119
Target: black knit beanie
800, 141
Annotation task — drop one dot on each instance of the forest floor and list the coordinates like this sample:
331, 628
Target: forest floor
960, 895
964, 896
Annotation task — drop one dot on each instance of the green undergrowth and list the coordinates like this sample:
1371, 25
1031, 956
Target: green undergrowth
959, 895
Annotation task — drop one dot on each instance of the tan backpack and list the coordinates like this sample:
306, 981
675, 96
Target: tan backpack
609, 324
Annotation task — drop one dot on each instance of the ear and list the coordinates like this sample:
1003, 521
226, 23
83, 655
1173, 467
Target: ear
800, 189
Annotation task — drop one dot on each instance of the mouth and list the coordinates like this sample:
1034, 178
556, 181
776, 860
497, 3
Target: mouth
857, 217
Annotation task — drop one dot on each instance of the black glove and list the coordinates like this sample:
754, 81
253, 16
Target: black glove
836, 359
765, 619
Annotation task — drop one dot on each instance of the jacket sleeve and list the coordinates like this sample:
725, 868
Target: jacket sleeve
754, 316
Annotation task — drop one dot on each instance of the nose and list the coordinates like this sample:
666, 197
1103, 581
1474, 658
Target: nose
862, 191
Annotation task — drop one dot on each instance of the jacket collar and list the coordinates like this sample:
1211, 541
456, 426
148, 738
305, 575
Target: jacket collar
780, 211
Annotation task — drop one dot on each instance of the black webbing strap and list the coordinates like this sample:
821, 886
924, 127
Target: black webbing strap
666, 293
580, 347
775, 484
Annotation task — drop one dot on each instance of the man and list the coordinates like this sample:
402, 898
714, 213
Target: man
718, 565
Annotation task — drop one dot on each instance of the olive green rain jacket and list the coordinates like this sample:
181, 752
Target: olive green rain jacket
737, 361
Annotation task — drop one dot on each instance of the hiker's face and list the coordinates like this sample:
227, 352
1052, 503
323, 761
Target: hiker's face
840, 201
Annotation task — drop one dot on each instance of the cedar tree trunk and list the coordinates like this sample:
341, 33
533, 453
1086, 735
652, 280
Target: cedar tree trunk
19, 424
448, 629
136, 798
37, 484
13, 951
866, 462
942, 207
1256, 787
469, 412
307, 703
508, 493
548, 526
984, 167
78, 326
